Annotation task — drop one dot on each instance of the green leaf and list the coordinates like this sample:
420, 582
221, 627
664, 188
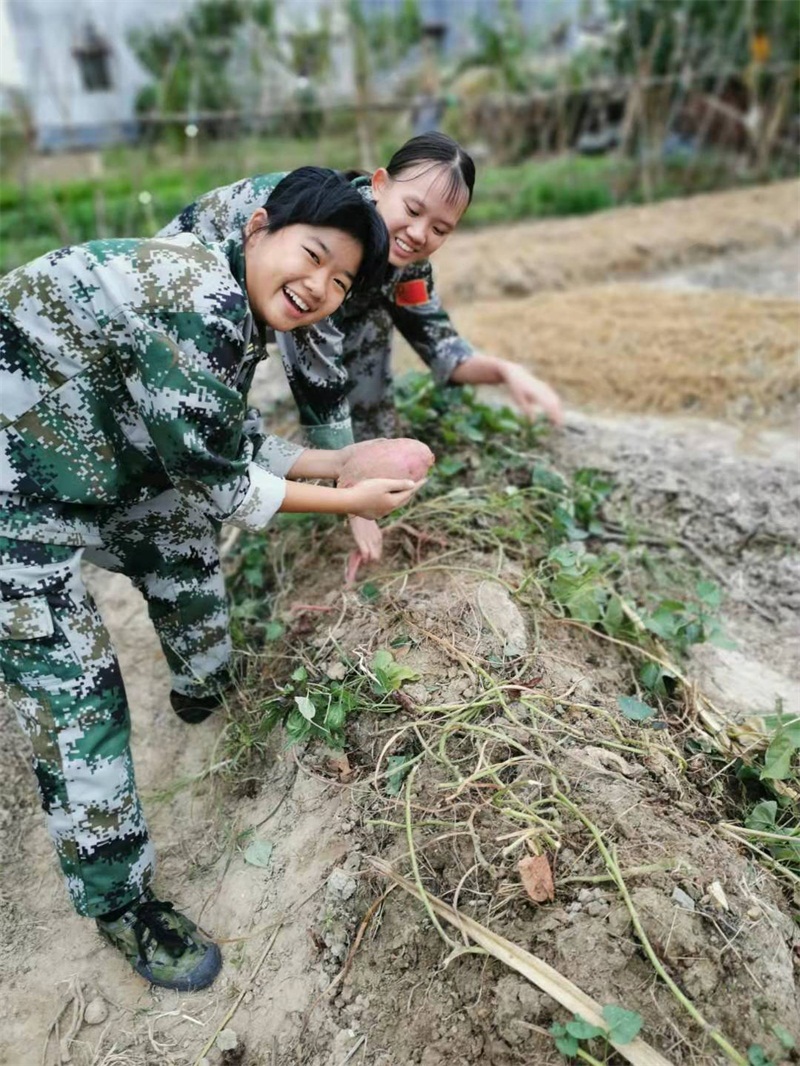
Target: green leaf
709, 593
297, 727
778, 758
779, 723
369, 591
583, 1030
634, 709
300, 674
762, 816
756, 1056
259, 853
543, 478
565, 1043
614, 618
274, 631
664, 621
335, 717
252, 575
785, 1037
449, 466
655, 678
398, 767
623, 1025
390, 674
306, 707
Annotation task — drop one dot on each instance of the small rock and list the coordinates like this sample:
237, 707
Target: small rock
619, 921
597, 908
683, 899
341, 885
754, 913
227, 1040
351, 863
96, 1011
336, 671
585, 895
718, 897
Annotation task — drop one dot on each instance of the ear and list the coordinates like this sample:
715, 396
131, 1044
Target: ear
257, 220
380, 180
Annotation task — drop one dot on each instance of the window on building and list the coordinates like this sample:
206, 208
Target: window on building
93, 55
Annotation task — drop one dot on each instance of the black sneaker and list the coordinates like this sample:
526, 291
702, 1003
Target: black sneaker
194, 709
163, 945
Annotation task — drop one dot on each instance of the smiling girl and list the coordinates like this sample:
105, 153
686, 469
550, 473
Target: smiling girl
125, 440
341, 377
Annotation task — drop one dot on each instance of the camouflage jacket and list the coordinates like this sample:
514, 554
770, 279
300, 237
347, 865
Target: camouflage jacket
310, 355
406, 298
124, 370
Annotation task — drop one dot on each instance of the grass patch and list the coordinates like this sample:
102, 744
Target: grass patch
141, 189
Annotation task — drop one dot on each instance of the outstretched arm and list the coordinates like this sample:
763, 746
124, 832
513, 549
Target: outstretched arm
369, 499
529, 393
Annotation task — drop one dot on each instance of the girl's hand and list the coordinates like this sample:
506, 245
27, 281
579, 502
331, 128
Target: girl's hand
376, 497
368, 538
531, 394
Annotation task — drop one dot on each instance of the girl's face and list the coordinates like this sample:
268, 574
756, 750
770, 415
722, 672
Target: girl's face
299, 274
416, 210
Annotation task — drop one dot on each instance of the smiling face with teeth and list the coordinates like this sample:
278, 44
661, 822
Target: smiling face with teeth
298, 274
419, 210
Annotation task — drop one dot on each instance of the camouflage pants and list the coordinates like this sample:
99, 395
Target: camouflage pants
63, 680
62, 676
367, 359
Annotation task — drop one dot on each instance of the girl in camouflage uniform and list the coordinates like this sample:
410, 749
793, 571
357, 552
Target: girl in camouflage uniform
125, 439
421, 195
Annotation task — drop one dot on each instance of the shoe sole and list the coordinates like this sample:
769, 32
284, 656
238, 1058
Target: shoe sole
201, 977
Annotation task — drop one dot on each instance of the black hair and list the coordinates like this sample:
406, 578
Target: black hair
317, 196
438, 150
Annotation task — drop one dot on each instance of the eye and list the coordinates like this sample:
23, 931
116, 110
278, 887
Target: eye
440, 232
412, 212
313, 255
342, 286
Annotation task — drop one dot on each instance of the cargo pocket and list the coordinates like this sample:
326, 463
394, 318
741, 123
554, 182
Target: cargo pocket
27, 619
34, 652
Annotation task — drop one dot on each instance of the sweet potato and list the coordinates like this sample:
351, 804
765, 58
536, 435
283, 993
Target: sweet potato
400, 458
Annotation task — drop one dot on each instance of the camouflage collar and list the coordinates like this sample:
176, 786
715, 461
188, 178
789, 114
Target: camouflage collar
233, 249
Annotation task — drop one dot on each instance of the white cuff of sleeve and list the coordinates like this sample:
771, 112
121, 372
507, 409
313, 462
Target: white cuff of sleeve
263, 499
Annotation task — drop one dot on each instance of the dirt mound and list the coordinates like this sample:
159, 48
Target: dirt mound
519, 260
627, 348
472, 814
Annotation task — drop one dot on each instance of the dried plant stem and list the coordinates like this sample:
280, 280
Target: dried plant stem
613, 868
248, 985
536, 970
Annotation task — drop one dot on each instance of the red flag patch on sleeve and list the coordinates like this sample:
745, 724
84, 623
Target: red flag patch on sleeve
411, 293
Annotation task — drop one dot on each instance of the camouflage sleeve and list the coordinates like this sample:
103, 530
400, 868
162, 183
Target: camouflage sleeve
217, 214
313, 364
180, 374
417, 312
275, 454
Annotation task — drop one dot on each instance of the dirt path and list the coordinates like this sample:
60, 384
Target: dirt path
732, 490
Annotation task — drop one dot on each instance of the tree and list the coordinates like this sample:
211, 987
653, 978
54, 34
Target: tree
189, 58
709, 34
378, 41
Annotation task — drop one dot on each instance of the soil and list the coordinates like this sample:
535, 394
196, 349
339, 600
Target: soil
727, 487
